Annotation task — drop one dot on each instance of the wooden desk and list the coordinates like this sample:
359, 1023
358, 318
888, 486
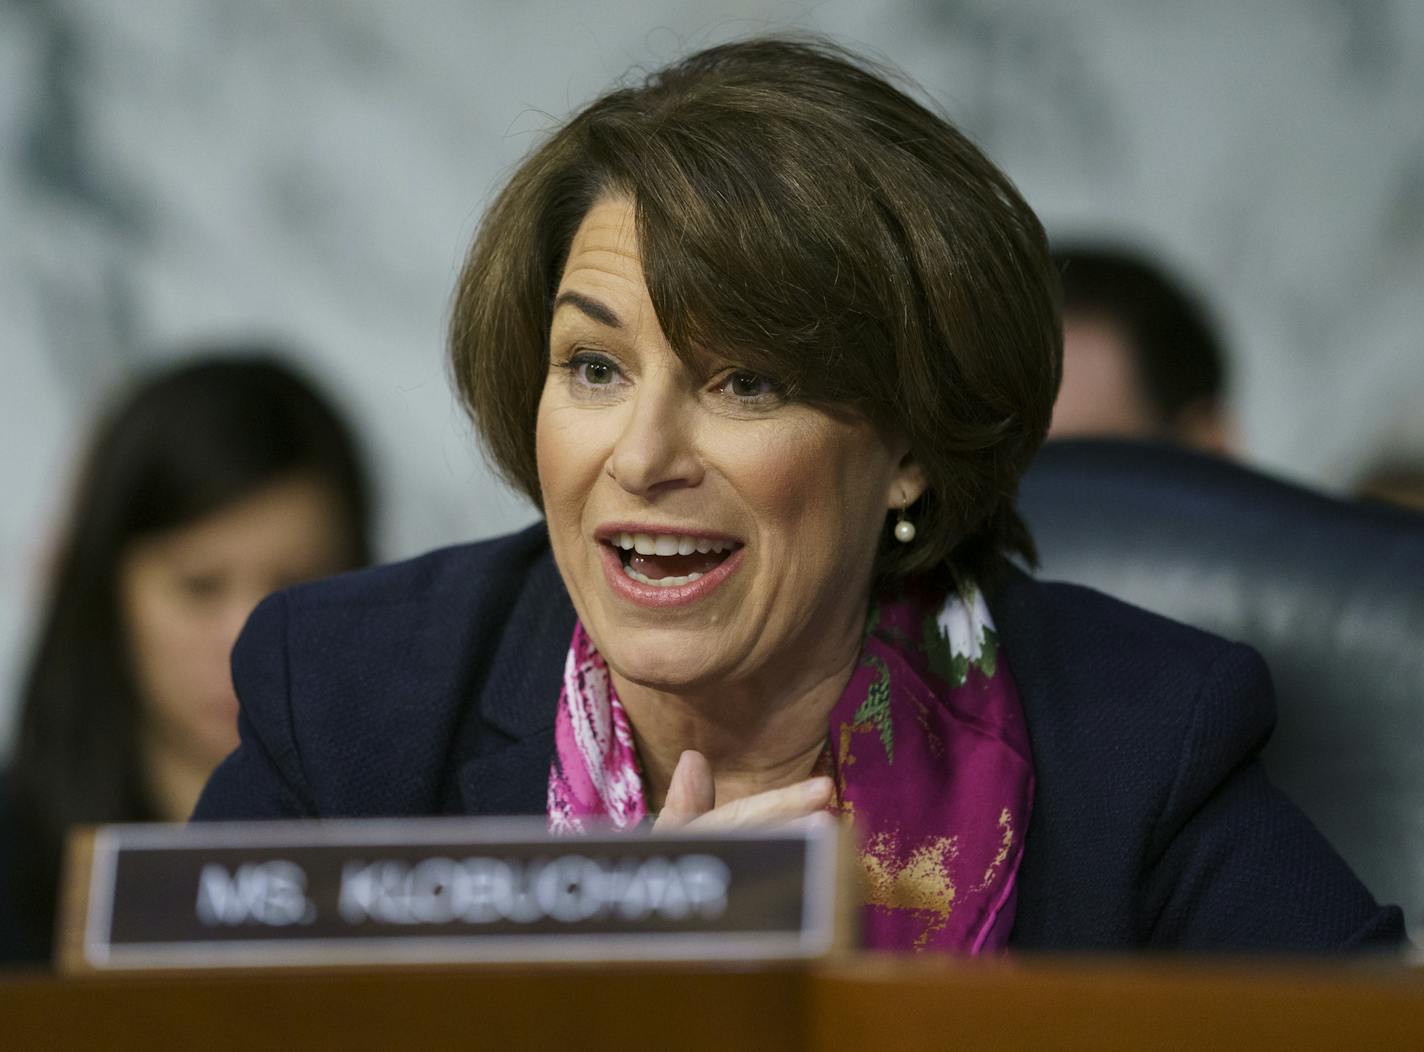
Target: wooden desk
1124, 1004
855, 1002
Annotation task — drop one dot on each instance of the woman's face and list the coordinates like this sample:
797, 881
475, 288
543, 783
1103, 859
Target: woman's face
185, 594
709, 531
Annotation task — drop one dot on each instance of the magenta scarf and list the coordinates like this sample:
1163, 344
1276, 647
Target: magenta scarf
928, 750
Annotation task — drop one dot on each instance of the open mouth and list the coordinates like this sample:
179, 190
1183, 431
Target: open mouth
666, 560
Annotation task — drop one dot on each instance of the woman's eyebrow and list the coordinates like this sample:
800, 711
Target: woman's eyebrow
595, 310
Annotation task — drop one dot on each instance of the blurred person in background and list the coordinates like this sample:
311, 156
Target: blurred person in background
1393, 473
209, 485
1141, 356
1396, 480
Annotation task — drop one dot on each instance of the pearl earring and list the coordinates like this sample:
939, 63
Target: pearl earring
904, 528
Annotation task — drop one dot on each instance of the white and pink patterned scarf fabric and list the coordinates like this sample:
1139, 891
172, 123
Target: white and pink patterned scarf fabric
928, 750
595, 773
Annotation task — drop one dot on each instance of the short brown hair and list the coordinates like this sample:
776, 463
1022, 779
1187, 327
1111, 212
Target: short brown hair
809, 220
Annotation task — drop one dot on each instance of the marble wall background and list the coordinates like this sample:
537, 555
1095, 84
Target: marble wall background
173, 170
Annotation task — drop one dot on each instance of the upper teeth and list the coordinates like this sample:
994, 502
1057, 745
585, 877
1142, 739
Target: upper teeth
669, 544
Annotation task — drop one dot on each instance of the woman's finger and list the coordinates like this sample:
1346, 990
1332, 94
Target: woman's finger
771, 807
690, 794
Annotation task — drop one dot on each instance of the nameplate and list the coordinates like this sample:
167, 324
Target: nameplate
248, 894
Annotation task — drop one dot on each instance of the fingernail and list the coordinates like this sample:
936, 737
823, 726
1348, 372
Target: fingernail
815, 788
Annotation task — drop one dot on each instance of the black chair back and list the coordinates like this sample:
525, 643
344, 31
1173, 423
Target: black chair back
1330, 592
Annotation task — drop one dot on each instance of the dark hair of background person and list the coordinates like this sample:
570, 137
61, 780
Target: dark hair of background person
801, 217
185, 443
1178, 355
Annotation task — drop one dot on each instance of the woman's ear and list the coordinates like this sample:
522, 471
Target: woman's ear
907, 484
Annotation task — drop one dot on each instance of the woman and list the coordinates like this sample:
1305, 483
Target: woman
769, 344
209, 486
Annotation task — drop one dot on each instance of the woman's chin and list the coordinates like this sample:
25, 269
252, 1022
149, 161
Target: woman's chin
671, 673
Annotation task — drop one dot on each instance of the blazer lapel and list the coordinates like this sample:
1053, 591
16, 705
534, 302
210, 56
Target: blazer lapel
1017, 607
509, 773
512, 779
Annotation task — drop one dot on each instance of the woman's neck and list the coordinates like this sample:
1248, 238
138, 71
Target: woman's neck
755, 736
174, 777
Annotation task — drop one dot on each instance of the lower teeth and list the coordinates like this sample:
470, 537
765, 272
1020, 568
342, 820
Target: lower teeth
665, 582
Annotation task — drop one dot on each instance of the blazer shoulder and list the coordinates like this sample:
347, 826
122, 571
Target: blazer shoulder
354, 686
1074, 615
1133, 718
1135, 722
1085, 660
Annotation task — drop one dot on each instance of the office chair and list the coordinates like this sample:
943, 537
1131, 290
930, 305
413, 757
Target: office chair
1331, 592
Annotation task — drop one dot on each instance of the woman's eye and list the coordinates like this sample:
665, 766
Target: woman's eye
751, 386
593, 371
596, 373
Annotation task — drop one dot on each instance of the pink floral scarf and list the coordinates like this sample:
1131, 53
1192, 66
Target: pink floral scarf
928, 750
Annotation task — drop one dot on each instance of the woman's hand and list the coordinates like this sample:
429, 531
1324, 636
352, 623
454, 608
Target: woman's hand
690, 799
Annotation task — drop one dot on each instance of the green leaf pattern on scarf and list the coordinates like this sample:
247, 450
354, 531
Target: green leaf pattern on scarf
875, 709
988, 653
950, 663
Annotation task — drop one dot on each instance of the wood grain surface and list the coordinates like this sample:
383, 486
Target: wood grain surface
869, 1002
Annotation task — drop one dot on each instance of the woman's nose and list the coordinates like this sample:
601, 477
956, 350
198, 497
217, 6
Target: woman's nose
654, 450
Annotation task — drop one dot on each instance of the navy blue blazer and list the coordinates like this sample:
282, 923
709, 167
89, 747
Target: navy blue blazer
429, 687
